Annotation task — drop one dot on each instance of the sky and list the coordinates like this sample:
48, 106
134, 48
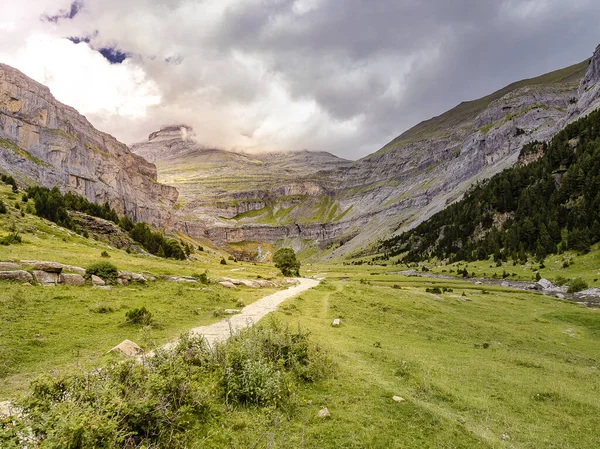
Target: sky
344, 76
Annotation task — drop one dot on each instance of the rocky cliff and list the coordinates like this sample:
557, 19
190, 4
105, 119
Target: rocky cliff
45, 142
312, 198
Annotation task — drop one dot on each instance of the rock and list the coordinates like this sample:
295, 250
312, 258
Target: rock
324, 413
7, 409
71, 279
18, 275
265, 284
66, 150
250, 284
478, 283
122, 281
231, 311
49, 267
9, 266
336, 322
73, 269
590, 293
232, 281
96, 281
227, 284
398, 399
45, 278
177, 279
133, 277
544, 284
505, 436
128, 349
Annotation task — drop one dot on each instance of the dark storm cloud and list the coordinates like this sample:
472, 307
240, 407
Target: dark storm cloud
349, 55
65, 13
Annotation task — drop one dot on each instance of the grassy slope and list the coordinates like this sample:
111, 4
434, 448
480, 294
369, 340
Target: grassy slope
468, 110
44, 328
535, 386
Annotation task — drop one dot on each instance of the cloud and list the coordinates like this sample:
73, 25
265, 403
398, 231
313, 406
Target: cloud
282, 74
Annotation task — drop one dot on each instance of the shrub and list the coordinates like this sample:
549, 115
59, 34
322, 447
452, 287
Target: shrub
104, 270
435, 290
104, 254
285, 260
2, 207
577, 285
223, 261
202, 278
138, 316
11, 239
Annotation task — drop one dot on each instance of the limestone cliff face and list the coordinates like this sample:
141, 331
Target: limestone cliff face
44, 141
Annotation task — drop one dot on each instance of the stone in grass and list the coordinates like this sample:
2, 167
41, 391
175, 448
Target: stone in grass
9, 266
324, 413
231, 311
50, 267
96, 281
127, 348
336, 322
45, 277
227, 284
398, 399
71, 279
19, 275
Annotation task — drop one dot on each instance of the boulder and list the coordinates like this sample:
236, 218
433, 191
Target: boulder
398, 399
74, 269
49, 267
249, 284
9, 266
324, 413
45, 277
231, 311
128, 349
233, 281
590, 293
264, 283
97, 282
132, 277
544, 284
8, 409
227, 284
336, 322
18, 275
71, 279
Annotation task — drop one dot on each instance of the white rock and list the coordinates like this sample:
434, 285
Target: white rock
336, 322
128, 348
98, 282
227, 284
324, 413
398, 399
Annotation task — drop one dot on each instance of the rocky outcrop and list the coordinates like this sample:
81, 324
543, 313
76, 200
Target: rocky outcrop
46, 142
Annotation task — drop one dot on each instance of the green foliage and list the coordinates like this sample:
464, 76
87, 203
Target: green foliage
223, 261
550, 204
7, 179
156, 243
577, 285
139, 316
285, 260
11, 239
104, 270
2, 207
165, 401
104, 254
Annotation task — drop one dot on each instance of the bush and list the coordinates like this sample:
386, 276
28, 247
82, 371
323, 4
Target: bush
104, 254
163, 401
202, 278
11, 239
285, 260
139, 316
577, 285
435, 290
104, 270
223, 261
2, 207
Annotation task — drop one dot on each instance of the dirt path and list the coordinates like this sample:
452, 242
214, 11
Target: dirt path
249, 315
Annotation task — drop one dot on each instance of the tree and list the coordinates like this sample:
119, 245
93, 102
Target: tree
285, 260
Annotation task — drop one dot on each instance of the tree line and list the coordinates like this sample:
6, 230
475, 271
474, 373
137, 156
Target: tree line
54, 206
545, 207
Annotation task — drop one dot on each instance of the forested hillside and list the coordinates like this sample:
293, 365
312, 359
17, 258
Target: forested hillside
548, 205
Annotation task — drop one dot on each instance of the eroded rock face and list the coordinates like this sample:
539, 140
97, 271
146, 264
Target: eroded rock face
52, 144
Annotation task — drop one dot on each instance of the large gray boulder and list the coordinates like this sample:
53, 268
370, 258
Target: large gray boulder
49, 267
45, 278
544, 284
97, 282
17, 275
74, 269
9, 266
71, 279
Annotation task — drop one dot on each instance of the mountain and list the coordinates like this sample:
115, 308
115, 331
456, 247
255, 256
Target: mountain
43, 141
548, 202
314, 199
